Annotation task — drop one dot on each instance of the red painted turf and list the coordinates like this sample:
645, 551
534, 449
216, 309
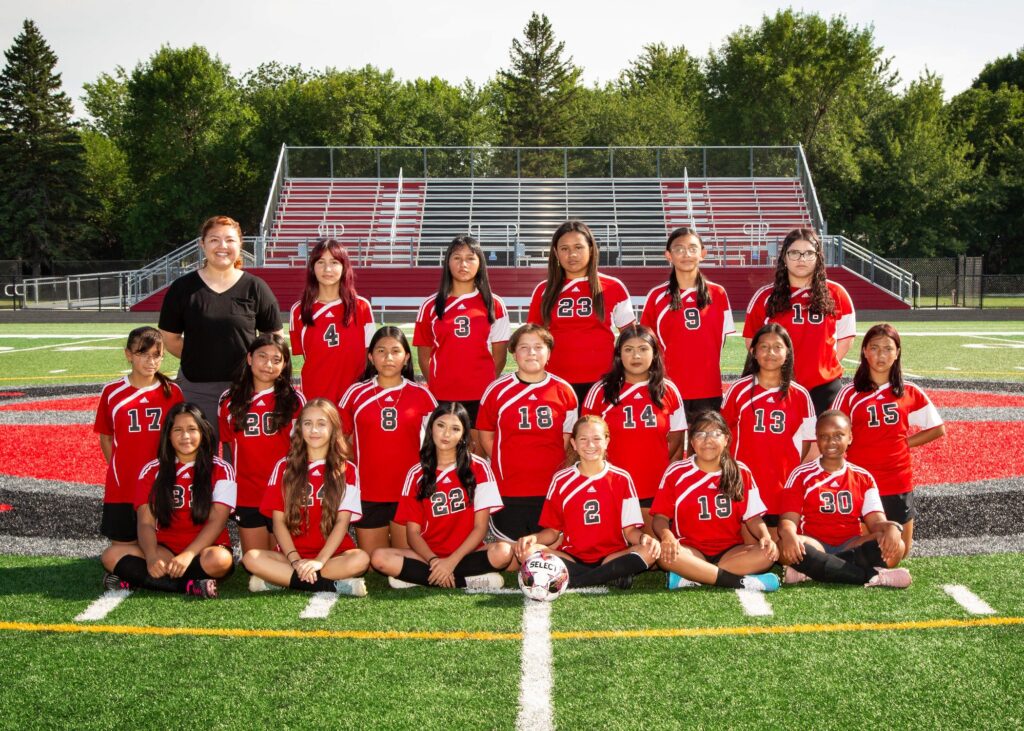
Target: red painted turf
69, 453
78, 403
950, 399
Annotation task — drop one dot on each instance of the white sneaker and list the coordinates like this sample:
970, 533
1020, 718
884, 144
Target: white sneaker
892, 578
792, 576
257, 584
483, 582
399, 584
352, 587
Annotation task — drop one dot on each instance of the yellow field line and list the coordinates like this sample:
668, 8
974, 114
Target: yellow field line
116, 629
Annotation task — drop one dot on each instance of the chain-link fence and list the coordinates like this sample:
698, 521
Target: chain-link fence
958, 281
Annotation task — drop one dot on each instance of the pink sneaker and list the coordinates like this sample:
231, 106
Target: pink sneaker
792, 576
893, 578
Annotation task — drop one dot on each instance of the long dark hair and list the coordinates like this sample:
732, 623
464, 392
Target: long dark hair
481, 282
752, 367
556, 275
821, 299
730, 483
388, 331
161, 499
862, 378
463, 458
141, 340
701, 285
286, 400
346, 286
296, 475
615, 379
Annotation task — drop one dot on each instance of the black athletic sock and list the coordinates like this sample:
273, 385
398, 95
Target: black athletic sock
134, 570
867, 556
626, 565
728, 579
474, 563
821, 566
321, 584
416, 572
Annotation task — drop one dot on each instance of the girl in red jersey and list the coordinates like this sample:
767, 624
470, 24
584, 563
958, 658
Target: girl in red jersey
643, 410
591, 515
579, 306
129, 417
183, 500
700, 510
524, 422
691, 317
446, 503
312, 497
384, 416
331, 325
771, 417
816, 312
257, 415
823, 506
462, 332
883, 409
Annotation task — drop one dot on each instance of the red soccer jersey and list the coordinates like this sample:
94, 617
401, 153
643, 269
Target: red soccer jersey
702, 517
311, 540
691, 339
591, 512
881, 425
255, 449
386, 425
814, 336
831, 504
528, 421
133, 417
639, 430
446, 518
182, 531
461, 365
584, 345
768, 432
335, 355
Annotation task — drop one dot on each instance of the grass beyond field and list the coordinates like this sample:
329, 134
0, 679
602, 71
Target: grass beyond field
826, 657
52, 354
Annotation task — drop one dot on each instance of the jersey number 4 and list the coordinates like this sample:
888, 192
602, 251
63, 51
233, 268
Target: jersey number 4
151, 416
544, 418
446, 503
331, 336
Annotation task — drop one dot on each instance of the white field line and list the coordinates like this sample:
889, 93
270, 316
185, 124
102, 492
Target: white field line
511, 590
968, 599
103, 606
536, 677
35, 336
59, 345
998, 340
754, 604
319, 605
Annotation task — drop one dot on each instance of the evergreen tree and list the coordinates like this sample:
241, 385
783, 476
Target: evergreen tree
43, 207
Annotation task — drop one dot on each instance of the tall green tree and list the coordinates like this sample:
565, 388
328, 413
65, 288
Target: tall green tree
536, 94
1007, 70
43, 207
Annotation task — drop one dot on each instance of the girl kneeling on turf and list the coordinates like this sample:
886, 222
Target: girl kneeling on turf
591, 517
827, 499
699, 512
446, 504
312, 497
183, 500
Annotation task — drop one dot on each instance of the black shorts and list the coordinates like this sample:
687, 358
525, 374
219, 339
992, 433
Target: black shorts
376, 515
772, 521
822, 396
519, 518
716, 557
472, 408
695, 406
646, 502
252, 518
582, 389
118, 522
900, 507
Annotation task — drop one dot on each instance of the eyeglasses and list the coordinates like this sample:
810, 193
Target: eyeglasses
691, 250
713, 434
149, 357
808, 255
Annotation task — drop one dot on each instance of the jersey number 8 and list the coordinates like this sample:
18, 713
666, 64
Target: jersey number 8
389, 418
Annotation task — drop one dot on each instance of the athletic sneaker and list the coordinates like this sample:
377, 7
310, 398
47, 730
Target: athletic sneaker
257, 584
399, 584
483, 582
761, 582
792, 576
201, 588
351, 587
893, 578
675, 581
113, 582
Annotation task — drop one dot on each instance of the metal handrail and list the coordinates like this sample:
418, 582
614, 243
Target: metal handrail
879, 271
273, 199
810, 194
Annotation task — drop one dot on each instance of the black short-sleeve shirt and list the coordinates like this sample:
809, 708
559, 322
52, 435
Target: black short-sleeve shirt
217, 327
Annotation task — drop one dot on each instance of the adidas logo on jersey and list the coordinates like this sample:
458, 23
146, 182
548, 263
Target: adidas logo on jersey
143, 400
834, 484
771, 399
637, 397
329, 315
879, 397
575, 289
315, 473
462, 307
532, 397
260, 402
445, 481
591, 489
389, 400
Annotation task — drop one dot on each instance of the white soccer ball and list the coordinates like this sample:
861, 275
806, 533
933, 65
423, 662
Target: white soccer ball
543, 576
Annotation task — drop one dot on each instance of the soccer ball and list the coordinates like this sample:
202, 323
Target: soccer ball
543, 576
